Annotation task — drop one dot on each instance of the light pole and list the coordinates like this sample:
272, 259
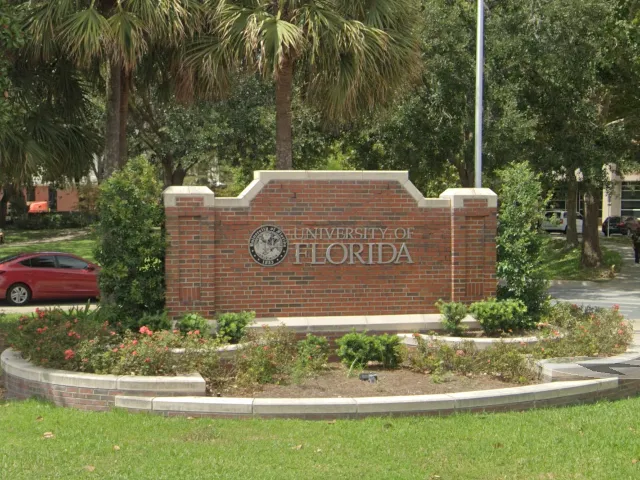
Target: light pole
479, 89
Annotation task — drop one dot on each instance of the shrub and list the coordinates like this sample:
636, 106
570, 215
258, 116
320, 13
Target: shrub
146, 353
130, 244
390, 352
435, 357
497, 316
266, 357
586, 331
452, 315
50, 337
313, 354
357, 349
193, 322
519, 246
504, 361
155, 321
232, 326
53, 221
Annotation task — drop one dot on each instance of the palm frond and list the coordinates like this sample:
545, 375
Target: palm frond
85, 35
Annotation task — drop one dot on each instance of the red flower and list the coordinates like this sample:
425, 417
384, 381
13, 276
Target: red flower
616, 307
115, 350
134, 353
196, 332
145, 331
135, 342
147, 360
112, 333
69, 354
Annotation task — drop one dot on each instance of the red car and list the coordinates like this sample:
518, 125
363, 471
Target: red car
46, 275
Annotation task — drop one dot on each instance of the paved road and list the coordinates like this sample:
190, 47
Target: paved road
624, 290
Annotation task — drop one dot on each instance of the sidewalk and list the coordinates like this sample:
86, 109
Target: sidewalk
624, 290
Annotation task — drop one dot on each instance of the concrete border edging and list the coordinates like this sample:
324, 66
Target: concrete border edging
481, 343
515, 398
88, 391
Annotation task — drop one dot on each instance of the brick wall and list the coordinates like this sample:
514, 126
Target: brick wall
209, 268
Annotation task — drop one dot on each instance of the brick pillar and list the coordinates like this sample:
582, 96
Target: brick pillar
190, 259
473, 243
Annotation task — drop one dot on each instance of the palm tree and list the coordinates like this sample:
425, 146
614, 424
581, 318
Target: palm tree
114, 34
349, 54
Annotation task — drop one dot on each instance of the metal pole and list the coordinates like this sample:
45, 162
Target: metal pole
479, 88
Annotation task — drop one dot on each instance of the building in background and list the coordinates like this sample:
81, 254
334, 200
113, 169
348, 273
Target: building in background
624, 199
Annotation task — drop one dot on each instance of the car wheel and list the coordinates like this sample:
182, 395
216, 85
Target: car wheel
18, 294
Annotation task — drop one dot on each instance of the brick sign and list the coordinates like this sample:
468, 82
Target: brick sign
315, 243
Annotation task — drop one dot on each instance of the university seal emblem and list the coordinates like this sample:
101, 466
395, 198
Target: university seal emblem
268, 245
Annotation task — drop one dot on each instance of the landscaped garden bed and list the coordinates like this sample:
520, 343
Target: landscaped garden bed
275, 362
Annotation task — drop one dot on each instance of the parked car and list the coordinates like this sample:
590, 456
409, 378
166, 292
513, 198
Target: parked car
619, 225
47, 276
556, 221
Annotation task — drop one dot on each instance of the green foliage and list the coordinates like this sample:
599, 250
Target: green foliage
191, 322
50, 338
520, 248
506, 316
357, 349
232, 325
154, 321
131, 244
583, 331
452, 315
146, 353
53, 221
268, 356
502, 360
390, 352
313, 354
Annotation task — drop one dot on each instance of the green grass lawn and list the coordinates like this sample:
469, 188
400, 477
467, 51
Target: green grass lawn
588, 442
562, 264
19, 236
82, 247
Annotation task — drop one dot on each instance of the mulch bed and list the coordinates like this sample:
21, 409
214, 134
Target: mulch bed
335, 383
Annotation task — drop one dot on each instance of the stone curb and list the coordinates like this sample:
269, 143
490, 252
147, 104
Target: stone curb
480, 343
373, 323
13, 364
555, 369
365, 406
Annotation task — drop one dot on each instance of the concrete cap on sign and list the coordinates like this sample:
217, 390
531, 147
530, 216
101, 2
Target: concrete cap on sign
171, 195
457, 196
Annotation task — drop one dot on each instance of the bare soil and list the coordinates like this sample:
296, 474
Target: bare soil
335, 384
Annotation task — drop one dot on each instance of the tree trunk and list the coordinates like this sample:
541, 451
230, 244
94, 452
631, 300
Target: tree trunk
3, 210
591, 253
112, 130
572, 207
125, 86
284, 89
178, 175
465, 174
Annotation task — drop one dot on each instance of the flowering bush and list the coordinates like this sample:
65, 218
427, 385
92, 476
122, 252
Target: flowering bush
266, 357
586, 331
313, 354
502, 360
76, 341
145, 353
50, 338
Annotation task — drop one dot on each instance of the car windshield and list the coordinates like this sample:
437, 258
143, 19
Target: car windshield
9, 258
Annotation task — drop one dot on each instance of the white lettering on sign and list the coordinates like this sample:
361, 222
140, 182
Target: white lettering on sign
380, 249
352, 253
